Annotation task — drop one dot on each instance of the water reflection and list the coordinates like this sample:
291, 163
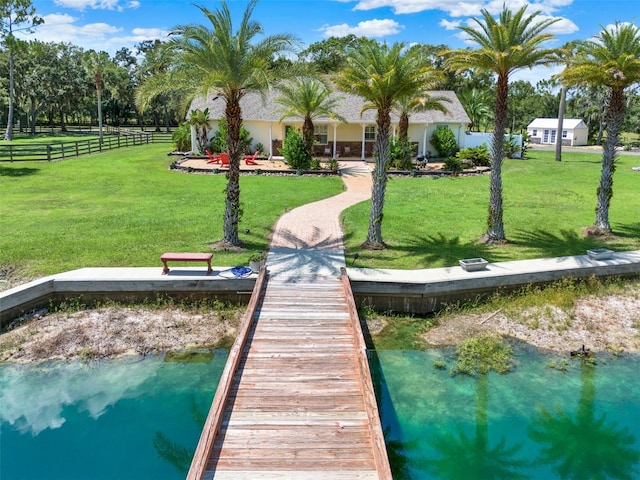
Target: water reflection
585, 446
50, 389
471, 457
124, 419
176, 453
537, 423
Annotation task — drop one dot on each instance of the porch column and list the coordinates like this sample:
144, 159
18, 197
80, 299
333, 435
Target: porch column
363, 142
335, 130
424, 140
270, 140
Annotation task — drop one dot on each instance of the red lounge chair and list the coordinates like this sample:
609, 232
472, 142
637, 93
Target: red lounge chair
212, 158
224, 159
251, 159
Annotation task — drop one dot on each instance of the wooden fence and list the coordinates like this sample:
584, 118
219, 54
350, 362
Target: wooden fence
59, 151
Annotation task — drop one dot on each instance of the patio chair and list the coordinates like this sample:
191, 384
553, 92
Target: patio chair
251, 159
212, 158
346, 151
224, 159
327, 151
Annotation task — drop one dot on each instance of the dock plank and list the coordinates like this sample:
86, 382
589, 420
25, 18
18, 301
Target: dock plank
297, 405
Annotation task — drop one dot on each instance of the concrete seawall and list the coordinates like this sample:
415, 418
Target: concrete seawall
409, 291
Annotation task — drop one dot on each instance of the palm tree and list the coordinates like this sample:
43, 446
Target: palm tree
199, 119
309, 98
382, 75
611, 59
405, 106
506, 45
565, 55
227, 64
476, 104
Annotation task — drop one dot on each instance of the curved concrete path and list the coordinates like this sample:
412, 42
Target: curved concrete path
308, 239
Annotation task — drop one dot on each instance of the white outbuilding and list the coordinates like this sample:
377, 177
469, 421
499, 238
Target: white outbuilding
545, 131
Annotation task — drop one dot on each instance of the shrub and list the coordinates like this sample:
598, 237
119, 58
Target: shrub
400, 154
219, 141
479, 155
444, 141
482, 354
510, 148
333, 165
182, 138
453, 165
295, 152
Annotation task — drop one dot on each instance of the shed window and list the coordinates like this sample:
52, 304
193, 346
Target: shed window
565, 134
535, 132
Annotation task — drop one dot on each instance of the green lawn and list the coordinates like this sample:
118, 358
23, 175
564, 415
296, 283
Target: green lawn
125, 208
435, 222
49, 138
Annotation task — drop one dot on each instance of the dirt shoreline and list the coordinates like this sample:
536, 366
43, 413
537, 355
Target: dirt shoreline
603, 324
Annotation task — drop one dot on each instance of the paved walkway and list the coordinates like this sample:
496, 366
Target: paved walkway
308, 239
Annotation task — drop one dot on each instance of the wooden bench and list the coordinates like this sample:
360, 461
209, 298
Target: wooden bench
186, 257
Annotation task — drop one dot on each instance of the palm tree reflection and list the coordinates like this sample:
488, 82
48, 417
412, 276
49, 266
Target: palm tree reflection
471, 457
585, 447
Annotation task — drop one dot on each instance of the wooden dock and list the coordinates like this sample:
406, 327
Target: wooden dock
295, 400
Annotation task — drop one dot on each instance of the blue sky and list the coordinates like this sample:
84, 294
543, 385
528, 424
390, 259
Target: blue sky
112, 24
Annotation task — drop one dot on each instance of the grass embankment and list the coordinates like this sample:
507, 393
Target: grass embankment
125, 208
434, 222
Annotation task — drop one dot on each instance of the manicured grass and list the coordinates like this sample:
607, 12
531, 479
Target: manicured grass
26, 139
125, 208
435, 222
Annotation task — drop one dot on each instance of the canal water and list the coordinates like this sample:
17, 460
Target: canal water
552, 417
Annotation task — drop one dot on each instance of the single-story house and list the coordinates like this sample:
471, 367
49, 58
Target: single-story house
545, 131
336, 139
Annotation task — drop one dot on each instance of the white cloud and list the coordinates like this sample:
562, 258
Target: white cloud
563, 26
368, 28
449, 25
464, 8
92, 36
97, 4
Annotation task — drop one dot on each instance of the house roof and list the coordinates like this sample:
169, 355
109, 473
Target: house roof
254, 109
568, 123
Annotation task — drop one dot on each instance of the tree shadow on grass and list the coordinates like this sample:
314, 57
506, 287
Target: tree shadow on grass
548, 244
17, 172
628, 231
441, 249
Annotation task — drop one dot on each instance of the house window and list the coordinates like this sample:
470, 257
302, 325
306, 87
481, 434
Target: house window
565, 134
321, 134
370, 132
553, 136
535, 132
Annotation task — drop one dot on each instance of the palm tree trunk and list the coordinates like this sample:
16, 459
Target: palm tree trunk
379, 187
495, 231
403, 127
561, 109
615, 116
232, 204
9, 133
307, 135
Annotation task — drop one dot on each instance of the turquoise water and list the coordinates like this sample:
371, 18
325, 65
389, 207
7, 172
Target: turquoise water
534, 423
120, 419
137, 419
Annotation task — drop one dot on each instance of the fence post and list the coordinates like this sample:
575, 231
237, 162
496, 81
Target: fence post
48, 152
77, 150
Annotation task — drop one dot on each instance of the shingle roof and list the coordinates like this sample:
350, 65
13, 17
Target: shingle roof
568, 123
254, 109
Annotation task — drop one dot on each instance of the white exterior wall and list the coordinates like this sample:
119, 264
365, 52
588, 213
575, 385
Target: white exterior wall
475, 139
